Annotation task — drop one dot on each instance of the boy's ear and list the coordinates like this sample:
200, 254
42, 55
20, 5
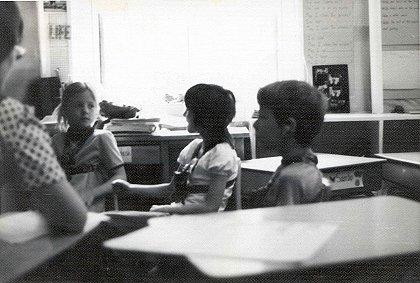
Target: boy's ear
290, 125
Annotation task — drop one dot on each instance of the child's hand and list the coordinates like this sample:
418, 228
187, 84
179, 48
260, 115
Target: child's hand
87, 197
121, 185
158, 208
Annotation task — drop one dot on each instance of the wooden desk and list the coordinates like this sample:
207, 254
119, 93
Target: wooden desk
359, 174
163, 147
368, 229
403, 169
18, 259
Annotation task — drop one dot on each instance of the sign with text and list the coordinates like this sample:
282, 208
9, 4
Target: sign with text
345, 180
126, 153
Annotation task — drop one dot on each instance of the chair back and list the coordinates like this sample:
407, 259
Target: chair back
115, 197
2, 171
235, 200
2, 164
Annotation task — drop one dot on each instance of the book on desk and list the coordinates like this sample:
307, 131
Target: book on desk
147, 125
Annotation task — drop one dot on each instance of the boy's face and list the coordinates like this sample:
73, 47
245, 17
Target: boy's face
81, 110
268, 133
191, 128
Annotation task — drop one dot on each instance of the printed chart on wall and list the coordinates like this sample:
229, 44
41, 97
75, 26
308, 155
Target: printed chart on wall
328, 31
400, 22
333, 80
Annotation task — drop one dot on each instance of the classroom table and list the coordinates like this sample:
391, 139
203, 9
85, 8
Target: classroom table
348, 175
163, 146
369, 233
403, 169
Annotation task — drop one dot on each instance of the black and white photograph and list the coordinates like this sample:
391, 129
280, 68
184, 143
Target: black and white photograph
209, 141
55, 6
333, 81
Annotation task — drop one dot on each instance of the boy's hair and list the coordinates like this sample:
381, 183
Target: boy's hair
298, 100
69, 92
213, 108
11, 27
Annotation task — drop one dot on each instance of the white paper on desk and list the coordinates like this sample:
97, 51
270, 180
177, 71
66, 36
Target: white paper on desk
19, 227
266, 240
93, 220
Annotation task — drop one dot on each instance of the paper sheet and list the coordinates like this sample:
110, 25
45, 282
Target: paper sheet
400, 22
401, 69
328, 31
228, 267
93, 220
19, 227
22, 226
265, 240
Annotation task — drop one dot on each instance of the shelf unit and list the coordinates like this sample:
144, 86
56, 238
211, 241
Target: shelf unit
381, 123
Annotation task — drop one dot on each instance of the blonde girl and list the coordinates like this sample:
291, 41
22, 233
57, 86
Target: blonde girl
89, 156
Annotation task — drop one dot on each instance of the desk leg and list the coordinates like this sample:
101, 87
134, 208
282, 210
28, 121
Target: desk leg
383, 191
381, 136
164, 157
252, 139
240, 148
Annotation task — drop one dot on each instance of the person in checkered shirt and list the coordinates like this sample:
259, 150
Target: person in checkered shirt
30, 175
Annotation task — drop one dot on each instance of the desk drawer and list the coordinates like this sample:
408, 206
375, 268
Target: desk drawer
253, 179
142, 155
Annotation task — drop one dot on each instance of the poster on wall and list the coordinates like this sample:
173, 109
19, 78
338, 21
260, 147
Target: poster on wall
333, 80
55, 6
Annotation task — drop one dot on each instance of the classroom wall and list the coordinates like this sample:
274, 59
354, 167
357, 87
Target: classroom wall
337, 32
84, 45
107, 48
29, 66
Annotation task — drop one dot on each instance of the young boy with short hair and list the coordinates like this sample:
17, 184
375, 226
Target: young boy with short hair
290, 116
